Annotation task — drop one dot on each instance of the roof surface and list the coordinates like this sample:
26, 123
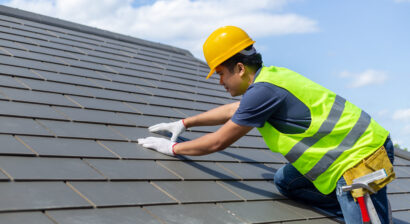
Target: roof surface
74, 100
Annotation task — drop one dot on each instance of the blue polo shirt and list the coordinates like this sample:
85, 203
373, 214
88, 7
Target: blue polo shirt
264, 101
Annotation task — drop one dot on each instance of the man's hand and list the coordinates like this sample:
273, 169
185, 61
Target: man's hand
161, 145
176, 128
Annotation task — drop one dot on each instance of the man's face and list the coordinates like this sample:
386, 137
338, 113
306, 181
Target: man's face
234, 82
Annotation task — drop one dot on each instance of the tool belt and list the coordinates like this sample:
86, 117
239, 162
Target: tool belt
378, 160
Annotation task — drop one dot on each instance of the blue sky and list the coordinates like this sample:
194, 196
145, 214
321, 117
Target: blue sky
359, 49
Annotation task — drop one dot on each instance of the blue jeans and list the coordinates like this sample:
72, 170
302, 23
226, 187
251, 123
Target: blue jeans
294, 185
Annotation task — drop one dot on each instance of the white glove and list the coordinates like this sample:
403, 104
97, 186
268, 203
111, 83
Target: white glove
176, 128
161, 145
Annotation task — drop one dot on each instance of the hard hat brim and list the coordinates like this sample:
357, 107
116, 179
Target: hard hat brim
210, 73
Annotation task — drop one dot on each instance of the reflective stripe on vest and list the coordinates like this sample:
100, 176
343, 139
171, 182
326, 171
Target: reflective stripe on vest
340, 134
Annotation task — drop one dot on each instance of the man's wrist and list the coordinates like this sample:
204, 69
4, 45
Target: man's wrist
173, 148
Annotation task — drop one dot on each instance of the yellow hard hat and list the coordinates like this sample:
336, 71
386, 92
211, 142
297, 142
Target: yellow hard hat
224, 43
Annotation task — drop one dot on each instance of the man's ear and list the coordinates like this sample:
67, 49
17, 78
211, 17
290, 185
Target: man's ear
241, 68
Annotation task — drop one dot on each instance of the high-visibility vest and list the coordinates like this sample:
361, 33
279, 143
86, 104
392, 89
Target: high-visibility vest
340, 134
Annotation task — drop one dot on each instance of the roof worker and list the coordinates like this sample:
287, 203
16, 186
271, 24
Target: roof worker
325, 138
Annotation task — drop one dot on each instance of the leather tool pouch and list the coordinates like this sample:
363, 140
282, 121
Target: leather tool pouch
376, 161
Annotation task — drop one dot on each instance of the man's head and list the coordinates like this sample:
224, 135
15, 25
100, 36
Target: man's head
229, 51
237, 73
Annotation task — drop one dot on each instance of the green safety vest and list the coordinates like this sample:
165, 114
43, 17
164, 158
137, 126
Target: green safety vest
340, 134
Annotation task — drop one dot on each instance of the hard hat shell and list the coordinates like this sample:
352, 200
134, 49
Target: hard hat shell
224, 43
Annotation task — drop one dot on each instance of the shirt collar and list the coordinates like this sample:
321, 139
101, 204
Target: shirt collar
256, 74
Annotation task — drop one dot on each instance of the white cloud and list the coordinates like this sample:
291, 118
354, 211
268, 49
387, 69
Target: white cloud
402, 115
368, 77
184, 23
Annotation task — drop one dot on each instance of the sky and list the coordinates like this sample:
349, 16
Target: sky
359, 49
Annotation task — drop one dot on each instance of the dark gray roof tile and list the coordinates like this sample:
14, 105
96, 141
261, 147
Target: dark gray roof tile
102, 104
252, 155
10, 146
29, 110
132, 215
401, 217
37, 97
81, 130
195, 213
253, 171
54, 87
188, 191
24, 217
9, 81
399, 201
131, 170
46, 146
129, 150
122, 193
38, 196
24, 126
253, 190
85, 115
17, 71
262, 212
155, 110
35, 168
199, 170
144, 121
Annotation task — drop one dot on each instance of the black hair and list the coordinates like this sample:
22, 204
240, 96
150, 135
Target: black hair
253, 61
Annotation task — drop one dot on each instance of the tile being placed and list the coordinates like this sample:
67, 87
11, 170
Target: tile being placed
11, 125
193, 213
253, 190
131, 169
81, 130
38, 195
129, 150
131, 215
93, 116
24, 217
251, 171
37, 168
66, 147
197, 191
36, 97
198, 170
10, 146
122, 193
29, 110
262, 211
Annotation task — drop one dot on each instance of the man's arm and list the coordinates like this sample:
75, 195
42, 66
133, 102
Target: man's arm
216, 116
213, 142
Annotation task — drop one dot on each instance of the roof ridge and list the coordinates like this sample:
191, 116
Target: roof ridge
48, 20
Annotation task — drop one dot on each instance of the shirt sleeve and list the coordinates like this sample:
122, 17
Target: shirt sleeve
258, 104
